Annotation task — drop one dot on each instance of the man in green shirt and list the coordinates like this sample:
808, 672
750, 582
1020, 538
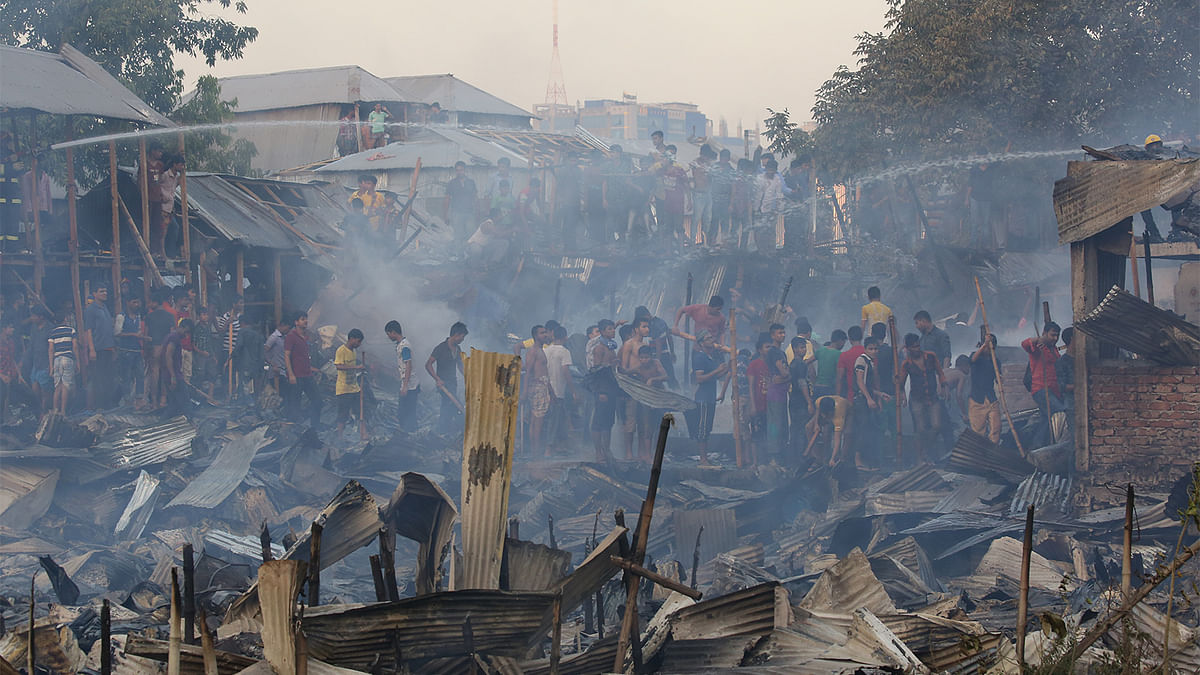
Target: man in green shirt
378, 120
827, 361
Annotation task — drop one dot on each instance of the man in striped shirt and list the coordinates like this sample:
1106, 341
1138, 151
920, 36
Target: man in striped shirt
62, 349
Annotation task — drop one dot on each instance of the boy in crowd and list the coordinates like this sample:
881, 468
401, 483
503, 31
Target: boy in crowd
874, 311
448, 357
204, 346
825, 382
828, 424
63, 350
924, 371
348, 388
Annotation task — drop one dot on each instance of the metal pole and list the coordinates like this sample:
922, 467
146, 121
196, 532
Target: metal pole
1023, 598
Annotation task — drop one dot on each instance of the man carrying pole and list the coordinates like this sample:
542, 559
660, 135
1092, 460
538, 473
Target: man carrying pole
348, 388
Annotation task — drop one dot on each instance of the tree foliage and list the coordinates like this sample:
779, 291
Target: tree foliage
784, 136
135, 40
959, 77
213, 149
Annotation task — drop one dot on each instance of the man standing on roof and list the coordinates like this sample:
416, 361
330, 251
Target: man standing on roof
378, 118
1155, 148
372, 201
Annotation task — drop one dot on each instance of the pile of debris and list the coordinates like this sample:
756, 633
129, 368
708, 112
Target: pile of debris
153, 541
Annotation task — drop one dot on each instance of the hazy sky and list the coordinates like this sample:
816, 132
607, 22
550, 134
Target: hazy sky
732, 59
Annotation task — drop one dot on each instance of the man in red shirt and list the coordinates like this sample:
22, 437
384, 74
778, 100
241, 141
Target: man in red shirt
845, 365
705, 317
1043, 353
298, 361
759, 375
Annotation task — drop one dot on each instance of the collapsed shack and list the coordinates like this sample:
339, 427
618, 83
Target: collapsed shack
162, 529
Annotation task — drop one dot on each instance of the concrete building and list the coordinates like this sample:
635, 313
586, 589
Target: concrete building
630, 119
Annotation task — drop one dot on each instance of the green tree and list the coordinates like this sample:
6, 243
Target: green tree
213, 149
784, 136
135, 40
963, 77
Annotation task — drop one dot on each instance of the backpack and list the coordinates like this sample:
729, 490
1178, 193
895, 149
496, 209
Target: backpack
1027, 380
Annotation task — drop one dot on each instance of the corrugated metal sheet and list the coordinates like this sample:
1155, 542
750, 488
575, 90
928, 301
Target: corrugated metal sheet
924, 477
422, 511
226, 546
655, 398
719, 535
751, 611
438, 147
353, 636
154, 444
1131, 323
1003, 559
1042, 490
976, 455
534, 567
1097, 195
493, 387
453, 94
224, 474
848, 586
68, 83
25, 494
294, 88
141, 505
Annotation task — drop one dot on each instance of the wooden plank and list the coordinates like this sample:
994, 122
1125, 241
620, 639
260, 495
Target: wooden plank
278, 583
1097, 195
1083, 296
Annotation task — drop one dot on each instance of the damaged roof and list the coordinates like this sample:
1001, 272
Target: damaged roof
1097, 195
68, 83
309, 86
453, 94
437, 147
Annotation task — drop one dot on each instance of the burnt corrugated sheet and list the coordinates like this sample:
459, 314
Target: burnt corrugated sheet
493, 386
1097, 195
752, 611
650, 396
422, 511
154, 444
1135, 325
224, 474
141, 505
1042, 491
534, 567
976, 455
435, 625
847, 586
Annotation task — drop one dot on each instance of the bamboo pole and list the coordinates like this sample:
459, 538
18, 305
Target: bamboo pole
1023, 598
314, 565
996, 368
39, 262
73, 231
898, 387
187, 229
1133, 266
151, 270
687, 326
1149, 272
176, 628
30, 659
1127, 551
144, 187
638, 555
278, 281
556, 638
208, 649
654, 577
737, 399
116, 224
189, 595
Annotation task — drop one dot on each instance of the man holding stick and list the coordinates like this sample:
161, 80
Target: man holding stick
1043, 353
348, 388
448, 357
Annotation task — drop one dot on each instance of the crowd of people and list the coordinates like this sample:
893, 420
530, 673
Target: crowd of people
803, 399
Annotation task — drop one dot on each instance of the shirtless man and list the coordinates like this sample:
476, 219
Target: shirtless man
629, 362
538, 372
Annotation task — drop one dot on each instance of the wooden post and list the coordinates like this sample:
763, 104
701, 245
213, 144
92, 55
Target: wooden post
105, 639
314, 565
208, 650
687, 345
1023, 598
73, 227
377, 577
239, 272
264, 540
39, 261
189, 595
387, 558
556, 636
996, 367
737, 399
656, 578
176, 628
116, 223
144, 187
696, 555
358, 130
1133, 266
30, 659
187, 234
278, 269
1127, 553
896, 383
1149, 272
639, 550
1037, 304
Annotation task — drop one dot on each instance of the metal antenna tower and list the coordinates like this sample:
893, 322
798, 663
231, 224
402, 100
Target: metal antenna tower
556, 89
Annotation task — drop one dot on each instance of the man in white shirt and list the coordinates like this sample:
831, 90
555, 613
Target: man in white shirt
558, 362
410, 386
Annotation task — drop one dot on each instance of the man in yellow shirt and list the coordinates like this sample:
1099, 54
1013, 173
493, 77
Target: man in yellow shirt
874, 311
373, 202
347, 389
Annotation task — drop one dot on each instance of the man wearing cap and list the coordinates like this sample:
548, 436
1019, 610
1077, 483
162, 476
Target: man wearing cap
1156, 150
101, 349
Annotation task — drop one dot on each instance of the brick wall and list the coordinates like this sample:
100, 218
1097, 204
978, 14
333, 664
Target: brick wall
1145, 423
